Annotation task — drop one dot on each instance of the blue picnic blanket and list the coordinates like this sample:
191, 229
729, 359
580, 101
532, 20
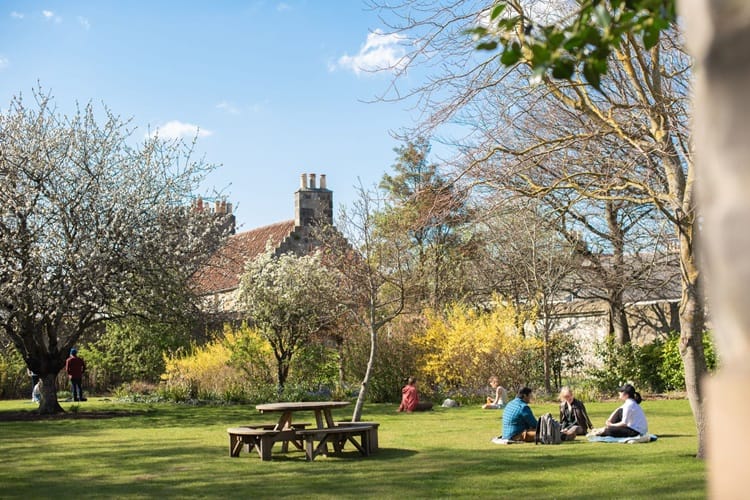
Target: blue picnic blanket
645, 438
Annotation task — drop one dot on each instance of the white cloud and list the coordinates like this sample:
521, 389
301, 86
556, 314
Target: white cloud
258, 107
4, 62
17, 15
380, 52
176, 129
50, 16
283, 7
84, 22
228, 107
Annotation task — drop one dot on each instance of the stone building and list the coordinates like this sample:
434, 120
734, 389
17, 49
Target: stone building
218, 281
588, 322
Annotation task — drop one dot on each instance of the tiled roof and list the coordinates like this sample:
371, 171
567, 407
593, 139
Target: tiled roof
222, 271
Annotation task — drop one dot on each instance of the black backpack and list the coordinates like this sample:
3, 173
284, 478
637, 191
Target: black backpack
547, 430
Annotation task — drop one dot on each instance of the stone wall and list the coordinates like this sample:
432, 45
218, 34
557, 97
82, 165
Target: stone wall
587, 321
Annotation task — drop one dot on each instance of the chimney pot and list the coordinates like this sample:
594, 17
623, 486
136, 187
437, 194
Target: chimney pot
322, 181
303, 181
312, 181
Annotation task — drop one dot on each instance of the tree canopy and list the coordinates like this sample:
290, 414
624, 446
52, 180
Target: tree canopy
289, 299
583, 41
92, 227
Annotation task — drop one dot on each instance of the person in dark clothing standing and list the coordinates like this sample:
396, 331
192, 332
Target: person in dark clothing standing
75, 367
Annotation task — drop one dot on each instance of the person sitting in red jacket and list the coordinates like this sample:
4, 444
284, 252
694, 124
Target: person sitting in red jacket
410, 398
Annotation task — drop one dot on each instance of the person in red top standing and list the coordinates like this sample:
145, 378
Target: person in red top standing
410, 398
75, 367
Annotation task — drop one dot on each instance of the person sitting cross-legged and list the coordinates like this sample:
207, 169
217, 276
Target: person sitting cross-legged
574, 421
628, 420
410, 398
519, 423
500, 395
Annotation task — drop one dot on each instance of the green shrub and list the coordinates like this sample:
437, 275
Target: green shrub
137, 391
14, 381
315, 369
395, 360
133, 350
565, 356
649, 362
672, 370
655, 367
618, 364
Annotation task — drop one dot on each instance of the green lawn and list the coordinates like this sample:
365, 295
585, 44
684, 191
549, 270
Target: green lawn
182, 451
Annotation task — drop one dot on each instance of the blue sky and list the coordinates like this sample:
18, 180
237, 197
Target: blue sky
276, 89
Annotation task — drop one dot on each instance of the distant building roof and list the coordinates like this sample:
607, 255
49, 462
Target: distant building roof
223, 270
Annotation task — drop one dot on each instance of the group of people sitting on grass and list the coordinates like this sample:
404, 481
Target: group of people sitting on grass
519, 423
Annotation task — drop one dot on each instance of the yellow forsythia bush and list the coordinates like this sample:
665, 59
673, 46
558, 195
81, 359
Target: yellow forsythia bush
461, 347
221, 369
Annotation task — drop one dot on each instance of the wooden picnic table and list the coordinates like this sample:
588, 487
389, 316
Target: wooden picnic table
362, 435
322, 410
326, 430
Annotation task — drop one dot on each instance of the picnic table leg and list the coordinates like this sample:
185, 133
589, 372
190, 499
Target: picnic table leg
309, 451
337, 447
319, 419
264, 447
285, 421
319, 422
364, 447
235, 445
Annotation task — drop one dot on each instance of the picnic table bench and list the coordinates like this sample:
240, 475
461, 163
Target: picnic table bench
261, 437
372, 439
337, 436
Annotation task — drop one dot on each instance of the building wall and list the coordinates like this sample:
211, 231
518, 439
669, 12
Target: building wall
588, 323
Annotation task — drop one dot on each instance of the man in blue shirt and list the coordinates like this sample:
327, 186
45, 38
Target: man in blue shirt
519, 423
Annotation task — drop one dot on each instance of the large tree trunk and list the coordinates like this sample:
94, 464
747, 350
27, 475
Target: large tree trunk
618, 319
719, 38
49, 404
692, 324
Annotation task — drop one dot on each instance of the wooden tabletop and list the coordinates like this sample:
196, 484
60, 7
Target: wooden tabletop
301, 406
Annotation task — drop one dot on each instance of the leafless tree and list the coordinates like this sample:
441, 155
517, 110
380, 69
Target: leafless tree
373, 268
639, 121
530, 264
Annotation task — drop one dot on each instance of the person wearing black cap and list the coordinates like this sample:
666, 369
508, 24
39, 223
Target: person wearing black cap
75, 366
628, 420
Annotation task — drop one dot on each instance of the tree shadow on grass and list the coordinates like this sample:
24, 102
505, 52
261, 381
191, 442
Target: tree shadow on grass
34, 415
348, 454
